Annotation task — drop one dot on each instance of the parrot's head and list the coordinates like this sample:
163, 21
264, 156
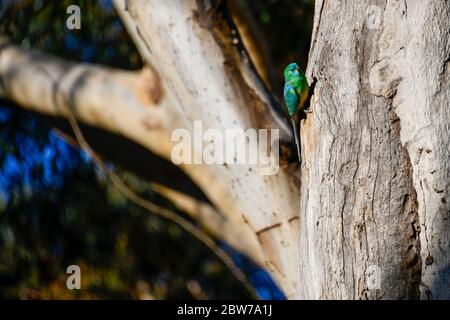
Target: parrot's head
291, 71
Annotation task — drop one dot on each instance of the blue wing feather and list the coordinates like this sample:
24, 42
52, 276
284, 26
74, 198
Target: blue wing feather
291, 97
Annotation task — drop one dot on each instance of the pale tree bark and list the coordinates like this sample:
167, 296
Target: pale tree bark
375, 181
372, 191
209, 77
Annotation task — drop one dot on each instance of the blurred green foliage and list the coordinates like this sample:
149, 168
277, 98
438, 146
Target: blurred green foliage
122, 250
286, 25
41, 24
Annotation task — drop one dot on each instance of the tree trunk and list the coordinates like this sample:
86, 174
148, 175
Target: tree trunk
375, 181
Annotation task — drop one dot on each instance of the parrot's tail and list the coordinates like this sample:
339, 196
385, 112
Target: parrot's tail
297, 138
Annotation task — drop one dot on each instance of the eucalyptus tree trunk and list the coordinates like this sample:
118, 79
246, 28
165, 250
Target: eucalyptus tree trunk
375, 180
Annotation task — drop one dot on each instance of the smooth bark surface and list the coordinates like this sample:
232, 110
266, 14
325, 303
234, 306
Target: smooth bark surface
209, 77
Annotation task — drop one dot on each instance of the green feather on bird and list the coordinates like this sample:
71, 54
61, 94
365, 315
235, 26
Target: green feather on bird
296, 91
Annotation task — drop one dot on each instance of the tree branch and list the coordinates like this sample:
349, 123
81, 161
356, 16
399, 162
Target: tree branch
209, 78
122, 102
110, 99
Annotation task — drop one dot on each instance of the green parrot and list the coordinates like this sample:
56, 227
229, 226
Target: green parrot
296, 91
